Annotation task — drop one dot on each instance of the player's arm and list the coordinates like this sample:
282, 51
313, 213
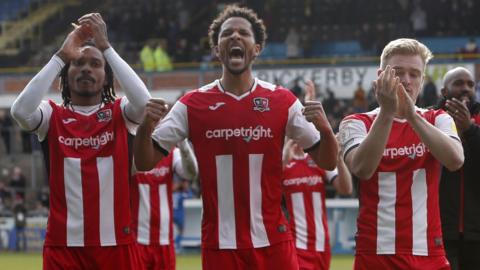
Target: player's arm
135, 90
343, 181
287, 152
363, 160
26, 109
325, 152
146, 153
186, 165
447, 150
467, 128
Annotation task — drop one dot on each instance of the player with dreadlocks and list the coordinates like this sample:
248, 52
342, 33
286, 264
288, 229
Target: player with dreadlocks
86, 149
108, 93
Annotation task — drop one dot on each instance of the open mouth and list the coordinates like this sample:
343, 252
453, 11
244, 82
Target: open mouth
236, 52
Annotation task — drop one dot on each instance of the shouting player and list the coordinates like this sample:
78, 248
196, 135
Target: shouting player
86, 150
237, 125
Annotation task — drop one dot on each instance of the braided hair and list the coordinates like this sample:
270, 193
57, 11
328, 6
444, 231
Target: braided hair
108, 93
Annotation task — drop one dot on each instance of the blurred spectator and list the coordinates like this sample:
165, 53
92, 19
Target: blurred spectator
5, 128
181, 191
5, 196
360, 103
39, 210
430, 95
293, 43
182, 51
147, 58
296, 89
20, 216
26, 141
470, 48
371, 98
306, 41
43, 197
418, 19
18, 183
162, 60
366, 38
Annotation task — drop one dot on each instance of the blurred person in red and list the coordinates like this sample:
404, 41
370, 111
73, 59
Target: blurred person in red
396, 151
459, 200
304, 190
85, 143
237, 125
152, 206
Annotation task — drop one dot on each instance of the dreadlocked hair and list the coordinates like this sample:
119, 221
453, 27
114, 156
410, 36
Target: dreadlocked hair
108, 93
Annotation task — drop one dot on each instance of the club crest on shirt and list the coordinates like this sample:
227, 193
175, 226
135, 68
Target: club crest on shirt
311, 163
260, 104
104, 115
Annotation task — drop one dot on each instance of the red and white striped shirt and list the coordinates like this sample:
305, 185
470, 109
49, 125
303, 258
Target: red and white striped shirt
304, 190
152, 202
238, 142
399, 207
88, 164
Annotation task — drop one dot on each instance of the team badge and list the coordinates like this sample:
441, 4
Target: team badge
104, 115
260, 104
311, 163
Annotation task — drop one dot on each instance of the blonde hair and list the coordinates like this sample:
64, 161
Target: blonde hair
405, 46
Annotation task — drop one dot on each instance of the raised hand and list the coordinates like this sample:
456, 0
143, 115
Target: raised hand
406, 107
96, 26
155, 110
386, 90
315, 114
460, 114
309, 91
70, 49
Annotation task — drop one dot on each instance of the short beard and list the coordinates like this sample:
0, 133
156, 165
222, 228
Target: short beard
87, 93
236, 72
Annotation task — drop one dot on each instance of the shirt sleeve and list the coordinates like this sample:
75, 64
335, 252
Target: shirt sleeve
299, 129
446, 124
28, 109
131, 125
135, 90
352, 134
331, 175
173, 128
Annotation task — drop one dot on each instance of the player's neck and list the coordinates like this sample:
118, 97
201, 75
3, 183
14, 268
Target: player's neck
237, 84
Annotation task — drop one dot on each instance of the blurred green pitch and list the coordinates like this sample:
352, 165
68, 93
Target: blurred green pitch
33, 261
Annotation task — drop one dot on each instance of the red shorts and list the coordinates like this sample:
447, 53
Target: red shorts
313, 260
400, 262
280, 256
157, 257
91, 258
